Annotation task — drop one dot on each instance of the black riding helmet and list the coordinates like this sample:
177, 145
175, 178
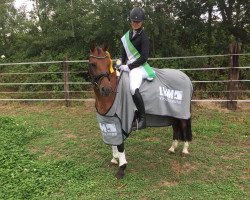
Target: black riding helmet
137, 14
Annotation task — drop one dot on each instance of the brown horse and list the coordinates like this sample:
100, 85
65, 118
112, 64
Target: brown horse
104, 83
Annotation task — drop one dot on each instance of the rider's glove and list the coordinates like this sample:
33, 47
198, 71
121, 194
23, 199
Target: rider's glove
124, 68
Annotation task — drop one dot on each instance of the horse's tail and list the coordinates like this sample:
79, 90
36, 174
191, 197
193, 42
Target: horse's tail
189, 130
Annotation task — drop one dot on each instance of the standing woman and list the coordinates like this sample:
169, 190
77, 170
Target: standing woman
134, 57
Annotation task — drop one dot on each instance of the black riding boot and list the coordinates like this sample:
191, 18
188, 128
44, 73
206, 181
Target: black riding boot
141, 109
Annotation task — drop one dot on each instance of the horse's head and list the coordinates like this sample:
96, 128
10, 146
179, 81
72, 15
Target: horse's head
99, 69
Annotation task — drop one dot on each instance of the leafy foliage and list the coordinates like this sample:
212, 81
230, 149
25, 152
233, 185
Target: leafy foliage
68, 27
56, 29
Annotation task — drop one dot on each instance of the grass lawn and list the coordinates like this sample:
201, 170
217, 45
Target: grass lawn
48, 151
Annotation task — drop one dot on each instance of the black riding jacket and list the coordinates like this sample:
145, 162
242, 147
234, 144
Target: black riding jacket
141, 43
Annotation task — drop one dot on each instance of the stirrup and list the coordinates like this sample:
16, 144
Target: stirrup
136, 128
135, 125
143, 125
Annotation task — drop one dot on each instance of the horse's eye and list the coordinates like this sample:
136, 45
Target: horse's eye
92, 65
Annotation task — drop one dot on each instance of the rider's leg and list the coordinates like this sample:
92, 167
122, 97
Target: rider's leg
141, 109
136, 76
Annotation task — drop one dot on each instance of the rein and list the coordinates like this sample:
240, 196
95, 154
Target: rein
99, 77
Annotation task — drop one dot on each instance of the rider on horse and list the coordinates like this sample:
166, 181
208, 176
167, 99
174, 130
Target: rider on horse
134, 57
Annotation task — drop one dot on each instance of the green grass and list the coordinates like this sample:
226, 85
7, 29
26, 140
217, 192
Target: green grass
54, 152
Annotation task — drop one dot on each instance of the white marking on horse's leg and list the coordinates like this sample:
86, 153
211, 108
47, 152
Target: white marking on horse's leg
115, 152
114, 161
185, 148
122, 158
174, 146
115, 155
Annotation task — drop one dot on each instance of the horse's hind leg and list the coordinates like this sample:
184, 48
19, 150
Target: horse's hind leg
175, 137
122, 161
184, 129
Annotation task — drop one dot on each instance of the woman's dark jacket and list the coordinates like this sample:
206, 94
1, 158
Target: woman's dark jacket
141, 43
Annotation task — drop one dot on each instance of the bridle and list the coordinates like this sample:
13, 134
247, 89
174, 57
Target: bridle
97, 79
99, 57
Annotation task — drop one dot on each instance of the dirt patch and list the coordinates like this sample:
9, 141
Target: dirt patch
212, 106
48, 151
167, 184
33, 149
246, 174
212, 170
219, 142
244, 106
187, 167
70, 136
226, 157
152, 166
178, 168
40, 107
152, 139
89, 106
221, 106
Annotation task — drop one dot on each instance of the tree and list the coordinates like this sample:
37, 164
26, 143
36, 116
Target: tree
8, 26
236, 18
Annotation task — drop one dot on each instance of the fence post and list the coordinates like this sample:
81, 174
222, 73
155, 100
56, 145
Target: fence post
233, 75
66, 81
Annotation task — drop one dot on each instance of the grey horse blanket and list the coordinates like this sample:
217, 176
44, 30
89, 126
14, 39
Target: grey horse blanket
168, 95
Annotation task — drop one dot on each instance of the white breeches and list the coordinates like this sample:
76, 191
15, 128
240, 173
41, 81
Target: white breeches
136, 76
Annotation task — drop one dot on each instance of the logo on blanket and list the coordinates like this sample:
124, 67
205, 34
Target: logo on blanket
108, 129
172, 96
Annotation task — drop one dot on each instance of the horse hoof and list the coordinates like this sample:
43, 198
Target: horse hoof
114, 161
111, 164
171, 152
185, 153
120, 174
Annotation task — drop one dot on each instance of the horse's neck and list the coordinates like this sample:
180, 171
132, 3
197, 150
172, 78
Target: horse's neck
104, 103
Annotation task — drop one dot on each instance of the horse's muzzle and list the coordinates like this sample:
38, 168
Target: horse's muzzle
105, 91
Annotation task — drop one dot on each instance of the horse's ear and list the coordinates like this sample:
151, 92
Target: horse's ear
105, 46
92, 46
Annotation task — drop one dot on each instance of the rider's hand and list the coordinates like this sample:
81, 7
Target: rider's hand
124, 68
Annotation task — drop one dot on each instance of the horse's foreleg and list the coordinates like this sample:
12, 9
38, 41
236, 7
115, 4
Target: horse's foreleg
115, 156
122, 161
184, 128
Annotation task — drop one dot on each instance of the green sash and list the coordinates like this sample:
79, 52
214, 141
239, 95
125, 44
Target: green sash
133, 54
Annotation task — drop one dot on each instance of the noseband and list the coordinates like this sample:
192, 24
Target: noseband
97, 79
